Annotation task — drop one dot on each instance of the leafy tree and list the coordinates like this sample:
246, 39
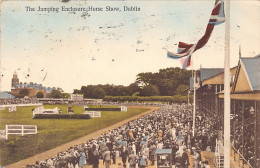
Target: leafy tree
76, 91
132, 89
144, 78
98, 93
23, 93
182, 90
91, 91
119, 90
65, 95
109, 89
39, 95
167, 80
150, 90
87, 91
55, 94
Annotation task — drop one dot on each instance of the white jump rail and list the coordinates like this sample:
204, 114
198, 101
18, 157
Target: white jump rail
41, 110
93, 114
123, 108
20, 130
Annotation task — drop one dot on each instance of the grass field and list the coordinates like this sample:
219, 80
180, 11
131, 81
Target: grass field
51, 132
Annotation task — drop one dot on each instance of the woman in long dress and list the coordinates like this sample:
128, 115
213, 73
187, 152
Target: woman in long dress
82, 159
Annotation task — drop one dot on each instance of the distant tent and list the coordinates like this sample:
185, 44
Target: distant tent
6, 95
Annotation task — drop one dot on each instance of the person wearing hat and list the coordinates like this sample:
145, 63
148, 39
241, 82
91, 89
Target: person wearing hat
82, 159
124, 155
107, 158
196, 157
95, 159
174, 148
178, 160
143, 161
185, 159
132, 160
113, 154
152, 153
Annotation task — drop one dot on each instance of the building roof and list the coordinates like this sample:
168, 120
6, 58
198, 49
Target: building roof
6, 95
218, 79
34, 85
252, 68
206, 73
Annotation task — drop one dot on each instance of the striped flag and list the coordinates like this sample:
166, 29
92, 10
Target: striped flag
186, 50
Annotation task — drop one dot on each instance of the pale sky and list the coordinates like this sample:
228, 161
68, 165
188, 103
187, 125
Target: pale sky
69, 50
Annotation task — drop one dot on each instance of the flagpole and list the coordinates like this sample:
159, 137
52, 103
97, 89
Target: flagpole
227, 88
194, 103
194, 98
188, 97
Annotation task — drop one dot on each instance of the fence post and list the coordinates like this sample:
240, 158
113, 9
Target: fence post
6, 132
22, 130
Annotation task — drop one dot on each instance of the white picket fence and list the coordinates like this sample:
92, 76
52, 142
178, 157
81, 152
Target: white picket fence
20, 130
93, 114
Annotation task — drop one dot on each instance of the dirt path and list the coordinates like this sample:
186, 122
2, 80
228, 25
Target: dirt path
52, 152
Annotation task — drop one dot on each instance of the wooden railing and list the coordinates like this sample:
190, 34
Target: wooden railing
20, 130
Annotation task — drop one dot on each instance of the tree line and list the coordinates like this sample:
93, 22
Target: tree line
166, 82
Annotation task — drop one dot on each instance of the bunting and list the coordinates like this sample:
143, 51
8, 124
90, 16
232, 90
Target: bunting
186, 50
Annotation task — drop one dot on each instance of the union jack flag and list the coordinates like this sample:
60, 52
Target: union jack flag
186, 50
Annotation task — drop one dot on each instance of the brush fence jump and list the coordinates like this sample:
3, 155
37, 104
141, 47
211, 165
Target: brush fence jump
93, 114
41, 110
121, 108
20, 130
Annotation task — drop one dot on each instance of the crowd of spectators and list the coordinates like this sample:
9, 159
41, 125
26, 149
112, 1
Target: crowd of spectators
93, 102
244, 143
18, 101
136, 142
135, 103
243, 133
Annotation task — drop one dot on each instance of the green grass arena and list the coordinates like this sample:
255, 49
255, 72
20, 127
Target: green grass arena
52, 132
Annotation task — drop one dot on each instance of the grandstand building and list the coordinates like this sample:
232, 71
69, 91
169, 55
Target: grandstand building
245, 107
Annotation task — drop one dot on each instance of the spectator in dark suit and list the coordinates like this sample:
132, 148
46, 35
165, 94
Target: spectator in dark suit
124, 155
